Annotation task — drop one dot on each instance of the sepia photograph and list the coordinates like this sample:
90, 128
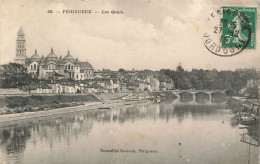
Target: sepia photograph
129, 82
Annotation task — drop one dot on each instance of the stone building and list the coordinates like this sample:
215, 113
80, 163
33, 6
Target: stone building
45, 67
20, 48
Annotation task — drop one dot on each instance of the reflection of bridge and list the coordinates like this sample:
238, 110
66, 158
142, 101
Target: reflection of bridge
194, 93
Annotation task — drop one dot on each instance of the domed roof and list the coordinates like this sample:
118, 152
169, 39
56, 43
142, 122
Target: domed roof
68, 57
52, 55
35, 56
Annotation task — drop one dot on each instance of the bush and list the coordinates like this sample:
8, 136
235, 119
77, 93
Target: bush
28, 108
55, 102
2, 111
40, 98
18, 110
10, 111
16, 101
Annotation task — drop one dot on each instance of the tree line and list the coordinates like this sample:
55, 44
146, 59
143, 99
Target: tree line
210, 79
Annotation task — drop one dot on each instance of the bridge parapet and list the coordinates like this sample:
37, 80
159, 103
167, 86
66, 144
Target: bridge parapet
197, 91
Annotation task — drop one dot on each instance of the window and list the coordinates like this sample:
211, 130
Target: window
68, 66
34, 66
77, 76
31, 67
72, 67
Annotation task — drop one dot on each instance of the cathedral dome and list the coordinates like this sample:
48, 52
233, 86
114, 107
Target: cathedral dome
35, 56
52, 55
68, 57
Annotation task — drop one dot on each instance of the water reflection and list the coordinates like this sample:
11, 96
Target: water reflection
76, 129
13, 138
13, 141
251, 135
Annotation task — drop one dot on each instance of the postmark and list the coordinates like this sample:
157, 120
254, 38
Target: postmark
232, 30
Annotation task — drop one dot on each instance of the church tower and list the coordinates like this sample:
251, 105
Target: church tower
20, 48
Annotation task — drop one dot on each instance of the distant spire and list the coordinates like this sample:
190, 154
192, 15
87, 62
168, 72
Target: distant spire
35, 51
21, 31
52, 50
42, 56
68, 52
60, 57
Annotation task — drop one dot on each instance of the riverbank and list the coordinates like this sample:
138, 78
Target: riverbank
33, 103
87, 106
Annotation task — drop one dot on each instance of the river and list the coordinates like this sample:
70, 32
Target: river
151, 133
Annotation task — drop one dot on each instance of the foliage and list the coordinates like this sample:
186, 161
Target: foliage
210, 79
252, 92
121, 70
15, 75
16, 101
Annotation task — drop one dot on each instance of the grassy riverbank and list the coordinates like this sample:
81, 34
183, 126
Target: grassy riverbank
33, 103
13, 118
20, 104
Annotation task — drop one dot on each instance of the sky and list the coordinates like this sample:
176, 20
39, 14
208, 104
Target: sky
151, 34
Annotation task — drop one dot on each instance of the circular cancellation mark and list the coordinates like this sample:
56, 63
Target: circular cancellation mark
229, 34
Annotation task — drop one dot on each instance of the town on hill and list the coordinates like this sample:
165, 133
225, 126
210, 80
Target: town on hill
56, 75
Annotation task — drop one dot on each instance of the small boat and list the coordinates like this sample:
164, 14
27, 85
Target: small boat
247, 120
103, 108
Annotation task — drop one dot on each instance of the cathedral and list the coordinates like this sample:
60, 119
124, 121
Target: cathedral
51, 65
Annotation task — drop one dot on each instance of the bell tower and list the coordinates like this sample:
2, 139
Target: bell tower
20, 48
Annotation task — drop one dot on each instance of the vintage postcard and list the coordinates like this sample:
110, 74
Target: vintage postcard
129, 81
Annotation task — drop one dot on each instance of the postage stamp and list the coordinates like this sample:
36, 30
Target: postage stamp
231, 30
239, 25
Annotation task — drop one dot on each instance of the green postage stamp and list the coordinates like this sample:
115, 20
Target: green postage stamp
238, 27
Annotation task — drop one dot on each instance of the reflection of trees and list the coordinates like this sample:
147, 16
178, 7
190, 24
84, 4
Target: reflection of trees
13, 140
68, 126
154, 111
65, 127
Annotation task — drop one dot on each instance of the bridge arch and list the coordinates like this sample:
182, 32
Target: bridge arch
202, 97
186, 97
218, 97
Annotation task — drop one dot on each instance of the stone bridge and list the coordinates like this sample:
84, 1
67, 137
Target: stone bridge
194, 93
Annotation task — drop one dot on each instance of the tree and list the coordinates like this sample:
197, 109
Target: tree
121, 70
15, 75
